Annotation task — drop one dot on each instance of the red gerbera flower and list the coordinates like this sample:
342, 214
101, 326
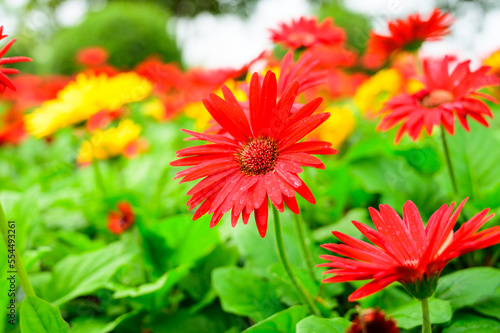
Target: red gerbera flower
445, 94
122, 220
404, 250
409, 34
308, 32
258, 158
5, 82
372, 321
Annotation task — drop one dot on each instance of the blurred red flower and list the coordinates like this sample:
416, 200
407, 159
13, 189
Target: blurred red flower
307, 33
444, 96
5, 82
259, 157
372, 321
121, 220
92, 56
407, 35
12, 127
404, 250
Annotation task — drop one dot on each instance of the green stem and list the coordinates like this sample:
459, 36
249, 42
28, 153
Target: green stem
22, 275
426, 320
301, 236
99, 181
303, 294
448, 161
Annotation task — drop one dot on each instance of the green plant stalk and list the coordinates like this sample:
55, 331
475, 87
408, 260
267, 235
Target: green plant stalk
22, 275
99, 181
301, 236
303, 294
448, 161
426, 319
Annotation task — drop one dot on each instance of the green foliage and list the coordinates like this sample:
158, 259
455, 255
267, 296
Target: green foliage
313, 324
467, 322
130, 31
410, 314
40, 316
242, 292
466, 287
281, 322
83, 274
357, 26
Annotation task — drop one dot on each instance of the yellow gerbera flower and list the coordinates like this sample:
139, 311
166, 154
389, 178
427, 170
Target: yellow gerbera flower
337, 128
154, 108
493, 61
112, 142
84, 97
374, 92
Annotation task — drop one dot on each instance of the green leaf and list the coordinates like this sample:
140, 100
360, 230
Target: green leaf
98, 325
282, 322
243, 293
470, 323
410, 315
392, 298
476, 167
466, 287
489, 306
164, 283
83, 274
199, 281
313, 324
40, 316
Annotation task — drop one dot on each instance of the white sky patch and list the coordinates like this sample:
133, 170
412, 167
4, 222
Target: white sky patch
227, 40
71, 12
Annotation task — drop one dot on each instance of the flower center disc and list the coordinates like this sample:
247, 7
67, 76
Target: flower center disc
435, 98
258, 156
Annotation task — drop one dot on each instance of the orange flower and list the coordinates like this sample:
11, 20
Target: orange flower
121, 220
407, 35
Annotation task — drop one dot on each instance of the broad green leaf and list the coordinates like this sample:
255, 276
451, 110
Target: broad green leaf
98, 325
470, 323
392, 298
199, 281
243, 293
490, 306
474, 161
78, 275
190, 240
39, 316
210, 320
260, 253
410, 315
281, 322
164, 283
466, 287
313, 324
343, 225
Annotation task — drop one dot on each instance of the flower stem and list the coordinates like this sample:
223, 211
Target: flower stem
301, 236
303, 294
99, 181
20, 270
448, 161
426, 319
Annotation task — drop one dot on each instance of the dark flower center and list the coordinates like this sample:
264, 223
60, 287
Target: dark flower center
435, 98
258, 156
